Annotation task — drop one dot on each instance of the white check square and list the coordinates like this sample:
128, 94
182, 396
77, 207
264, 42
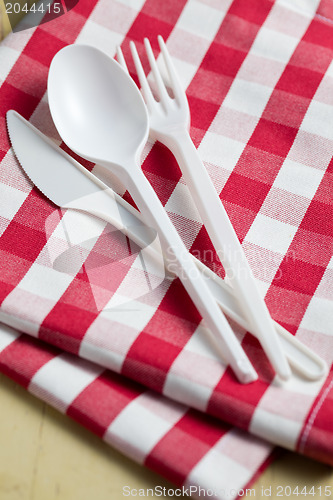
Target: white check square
45, 282
318, 120
319, 316
248, 97
192, 16
11, 201
298, 178
100, 37
7, 336
275, 428
9, 57
274, 45
65, 377
271, 234
140, 429
216, 472
220, 150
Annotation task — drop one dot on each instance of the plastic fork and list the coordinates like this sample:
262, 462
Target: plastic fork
169, 123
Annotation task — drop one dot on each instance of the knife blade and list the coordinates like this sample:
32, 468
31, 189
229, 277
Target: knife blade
60, 178
68, 184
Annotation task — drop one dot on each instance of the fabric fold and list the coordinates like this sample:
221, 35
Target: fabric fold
199, 454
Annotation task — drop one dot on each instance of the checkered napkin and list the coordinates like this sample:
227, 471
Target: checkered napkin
199, 454
259, 83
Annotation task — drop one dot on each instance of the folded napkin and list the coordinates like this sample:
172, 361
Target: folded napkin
258, 78
199, 454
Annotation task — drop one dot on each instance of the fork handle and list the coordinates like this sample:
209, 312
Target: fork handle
194, 283
227, 246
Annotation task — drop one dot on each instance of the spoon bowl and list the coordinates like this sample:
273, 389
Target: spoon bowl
113, 123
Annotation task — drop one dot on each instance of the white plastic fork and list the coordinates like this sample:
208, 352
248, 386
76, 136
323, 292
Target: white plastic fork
169, 123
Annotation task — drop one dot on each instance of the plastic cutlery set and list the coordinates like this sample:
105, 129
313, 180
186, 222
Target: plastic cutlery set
101, 115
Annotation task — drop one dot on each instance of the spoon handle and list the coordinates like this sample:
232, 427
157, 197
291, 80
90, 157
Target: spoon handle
194, 283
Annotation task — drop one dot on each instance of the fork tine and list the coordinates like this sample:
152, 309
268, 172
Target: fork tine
174, 80
163, 94
121, 58
145, 88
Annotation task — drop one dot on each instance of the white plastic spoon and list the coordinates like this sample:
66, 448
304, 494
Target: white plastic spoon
100, 114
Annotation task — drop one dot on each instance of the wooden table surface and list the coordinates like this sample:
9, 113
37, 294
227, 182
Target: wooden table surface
46, 456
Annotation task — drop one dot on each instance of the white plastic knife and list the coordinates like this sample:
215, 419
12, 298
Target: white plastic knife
69, 185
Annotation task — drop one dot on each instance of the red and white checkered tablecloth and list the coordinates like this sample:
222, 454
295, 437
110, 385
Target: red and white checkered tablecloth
259, 81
